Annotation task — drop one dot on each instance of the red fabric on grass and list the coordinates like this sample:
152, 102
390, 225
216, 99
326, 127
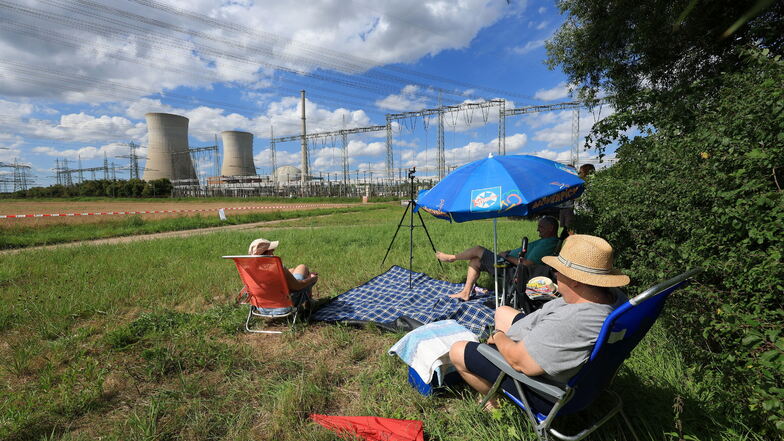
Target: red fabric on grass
372, 428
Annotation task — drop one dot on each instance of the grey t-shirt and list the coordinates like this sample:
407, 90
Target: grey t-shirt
560, 336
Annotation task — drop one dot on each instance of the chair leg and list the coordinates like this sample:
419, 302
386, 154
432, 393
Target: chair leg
493, 390
629, 425
256, 331
585, 432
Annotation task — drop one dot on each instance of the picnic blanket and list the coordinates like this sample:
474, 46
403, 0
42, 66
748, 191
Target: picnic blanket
387, 297
426, 348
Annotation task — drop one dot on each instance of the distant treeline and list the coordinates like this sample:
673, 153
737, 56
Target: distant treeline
132, 188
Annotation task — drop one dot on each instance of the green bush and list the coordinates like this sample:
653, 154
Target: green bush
705, 189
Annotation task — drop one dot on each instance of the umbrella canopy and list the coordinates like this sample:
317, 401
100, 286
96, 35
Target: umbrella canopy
498, 186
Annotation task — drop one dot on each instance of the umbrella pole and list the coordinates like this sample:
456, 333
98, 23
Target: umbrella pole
411, 238
495, 259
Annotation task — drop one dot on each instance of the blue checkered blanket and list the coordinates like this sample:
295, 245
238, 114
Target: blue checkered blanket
387, 297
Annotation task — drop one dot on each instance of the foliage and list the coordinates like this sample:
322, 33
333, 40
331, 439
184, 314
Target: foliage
132, 188
710, 194
642, 52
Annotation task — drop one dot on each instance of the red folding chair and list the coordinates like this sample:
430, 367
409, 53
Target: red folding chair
267, 292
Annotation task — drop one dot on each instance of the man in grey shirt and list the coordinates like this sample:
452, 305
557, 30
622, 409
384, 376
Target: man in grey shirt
556, 340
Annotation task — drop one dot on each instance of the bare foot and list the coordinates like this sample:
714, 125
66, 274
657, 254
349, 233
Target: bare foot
491, 405
445, 257
461, 295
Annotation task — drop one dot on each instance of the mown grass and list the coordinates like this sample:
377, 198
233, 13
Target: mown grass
141, 341
22, 236
313, 199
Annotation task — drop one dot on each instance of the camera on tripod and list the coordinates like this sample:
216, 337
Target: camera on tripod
411, 172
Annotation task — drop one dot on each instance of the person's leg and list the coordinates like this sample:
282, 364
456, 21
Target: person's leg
457, 356
301, 270
504, 317
471, 253
472, 274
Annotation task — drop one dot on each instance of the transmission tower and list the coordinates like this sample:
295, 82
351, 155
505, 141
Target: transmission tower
273, 159
575, 156
21, 178
133, 160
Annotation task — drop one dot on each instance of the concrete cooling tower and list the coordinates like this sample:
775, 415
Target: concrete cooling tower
237, 154
167, 155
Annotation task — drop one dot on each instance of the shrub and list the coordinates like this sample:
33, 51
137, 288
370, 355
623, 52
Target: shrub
710, 195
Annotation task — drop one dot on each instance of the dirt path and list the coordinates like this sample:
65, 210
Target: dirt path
158, 209
167, 234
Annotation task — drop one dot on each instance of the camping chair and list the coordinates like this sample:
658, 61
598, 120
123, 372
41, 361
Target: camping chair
514, 288
622, 331
267, 291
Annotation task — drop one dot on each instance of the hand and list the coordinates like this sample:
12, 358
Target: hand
491, 339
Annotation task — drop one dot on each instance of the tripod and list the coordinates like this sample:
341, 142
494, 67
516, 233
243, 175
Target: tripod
410, 206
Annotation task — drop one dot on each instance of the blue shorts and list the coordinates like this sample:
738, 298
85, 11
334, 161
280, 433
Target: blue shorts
481, 366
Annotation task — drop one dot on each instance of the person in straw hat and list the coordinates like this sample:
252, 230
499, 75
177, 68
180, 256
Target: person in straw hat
556, 340
299, 280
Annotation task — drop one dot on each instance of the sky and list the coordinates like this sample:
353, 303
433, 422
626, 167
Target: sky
78, 76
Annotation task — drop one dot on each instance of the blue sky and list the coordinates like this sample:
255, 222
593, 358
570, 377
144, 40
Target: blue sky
77, 77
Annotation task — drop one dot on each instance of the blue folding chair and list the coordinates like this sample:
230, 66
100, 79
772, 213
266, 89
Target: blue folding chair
622, 331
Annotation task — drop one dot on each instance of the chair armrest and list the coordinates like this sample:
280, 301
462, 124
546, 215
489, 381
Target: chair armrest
547, 389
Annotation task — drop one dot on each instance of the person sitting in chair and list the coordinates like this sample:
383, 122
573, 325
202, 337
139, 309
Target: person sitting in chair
481, 259
297, 279
556, 340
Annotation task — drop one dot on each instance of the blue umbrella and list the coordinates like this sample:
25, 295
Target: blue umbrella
498, 186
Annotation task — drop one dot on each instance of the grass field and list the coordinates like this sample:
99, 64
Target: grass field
141, 341
22, 233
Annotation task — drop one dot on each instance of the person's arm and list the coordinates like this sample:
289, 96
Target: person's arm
511, 256
515, 354
296, 285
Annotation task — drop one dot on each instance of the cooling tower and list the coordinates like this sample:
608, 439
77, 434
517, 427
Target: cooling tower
167, 154
237, 154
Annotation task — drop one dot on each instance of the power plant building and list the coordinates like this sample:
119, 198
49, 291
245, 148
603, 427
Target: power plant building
237, 154
287, 174
168, 155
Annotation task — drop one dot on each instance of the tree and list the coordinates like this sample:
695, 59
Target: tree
700, 182
644, 52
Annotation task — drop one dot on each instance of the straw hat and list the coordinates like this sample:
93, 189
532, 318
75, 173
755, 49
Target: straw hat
262, 245
587, 259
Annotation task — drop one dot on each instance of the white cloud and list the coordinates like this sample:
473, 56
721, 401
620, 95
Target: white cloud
557, 92
361, 148
85, 153
477, 150
407, 100
560, 156
541, 119
528, 47
133, 56
559, 135
542, 10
